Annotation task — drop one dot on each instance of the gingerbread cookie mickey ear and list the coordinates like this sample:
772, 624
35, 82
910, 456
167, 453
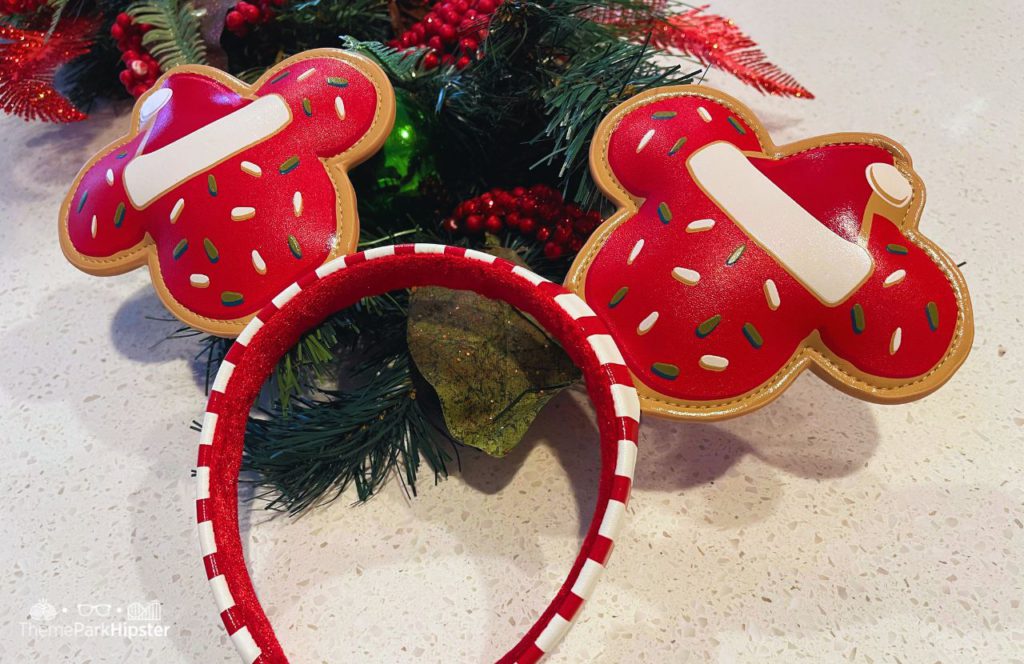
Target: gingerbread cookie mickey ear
230, 192
732, 264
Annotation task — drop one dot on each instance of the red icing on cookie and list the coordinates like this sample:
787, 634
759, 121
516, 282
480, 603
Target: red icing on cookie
733, 264
231, 192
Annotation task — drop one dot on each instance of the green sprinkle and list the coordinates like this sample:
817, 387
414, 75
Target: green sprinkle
736, 125
676, 147
752, 335
289, 165
211, 250
735, 255
211, 184
307, 107
664, 213
81, 201
663, 115
857, 318
122, 155
896, 249
708, 326
280, 77
337, 82
180, 248
231, 298
932, 311
619, 296
665, 370
293, 245
119, 215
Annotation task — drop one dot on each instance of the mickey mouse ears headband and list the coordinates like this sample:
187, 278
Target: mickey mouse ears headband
340, 283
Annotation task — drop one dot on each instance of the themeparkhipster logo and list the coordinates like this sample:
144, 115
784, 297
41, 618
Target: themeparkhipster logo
95, 620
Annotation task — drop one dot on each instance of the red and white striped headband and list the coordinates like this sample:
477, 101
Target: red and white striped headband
339, 284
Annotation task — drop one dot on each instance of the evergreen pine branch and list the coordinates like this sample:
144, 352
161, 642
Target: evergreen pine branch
401, 65
356, 437
175, 38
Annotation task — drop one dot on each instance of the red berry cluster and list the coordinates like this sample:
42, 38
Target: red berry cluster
140, 68
453, 30
538, 211
246, 15
11, 7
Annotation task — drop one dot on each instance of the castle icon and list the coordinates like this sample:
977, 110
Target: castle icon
144, 612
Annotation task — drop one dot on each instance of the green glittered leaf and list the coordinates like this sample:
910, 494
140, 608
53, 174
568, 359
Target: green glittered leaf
493, 367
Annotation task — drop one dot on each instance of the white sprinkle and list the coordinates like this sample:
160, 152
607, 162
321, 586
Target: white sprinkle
339, 106
713, 362
637, 248
771, 293
700, 225
646, 324
199, 280
297, 203
93, 228
258, 263
306, 74
686, 275
242, 213
703, 113
110, 177
251, 169
645, 140
894, 278
176, 210
896, 340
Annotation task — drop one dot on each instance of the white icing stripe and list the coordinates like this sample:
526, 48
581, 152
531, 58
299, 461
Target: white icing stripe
251, 169
93, 227
287, 294
249, 331
202, 482
379, 252
246, 645
830, 266
220, 383
297, 203
331, 267
895, 278
176, 210
590, 574
553, 633
612, 521
242, 213
645, 140
221, 593
148, 176
896, 341
339, 108
258, 263
625, 462
209, 424
480, 256
207, 542
605, 349
532, 277
627, 403
429, 248
110, 177
306, 74
703, 113
574, 306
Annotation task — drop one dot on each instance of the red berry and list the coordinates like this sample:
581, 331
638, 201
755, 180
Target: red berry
462, 62
553, 250
430, 60
485, 6
562, 233
543, 234
474, 224
250, 13
234, 20
435, 43
527, 225
468, 45
447, 33
450, 225
494, 224
123, 19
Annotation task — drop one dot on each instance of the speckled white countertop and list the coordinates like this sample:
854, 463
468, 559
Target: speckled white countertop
818, 529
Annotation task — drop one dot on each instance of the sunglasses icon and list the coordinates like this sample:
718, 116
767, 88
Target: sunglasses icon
99, 610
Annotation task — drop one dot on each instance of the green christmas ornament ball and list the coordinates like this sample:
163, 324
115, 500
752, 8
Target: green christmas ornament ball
402, 176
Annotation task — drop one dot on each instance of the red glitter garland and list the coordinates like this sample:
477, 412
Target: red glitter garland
28, 61
716, 41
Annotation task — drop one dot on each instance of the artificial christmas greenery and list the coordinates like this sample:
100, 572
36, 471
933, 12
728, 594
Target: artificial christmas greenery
497, 102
